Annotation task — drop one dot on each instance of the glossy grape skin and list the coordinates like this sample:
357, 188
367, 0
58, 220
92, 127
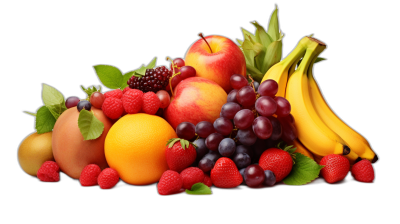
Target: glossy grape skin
276, 128
268, 88
256, 85
232, 96
246, 137
223, 126
254, 175
213, 155
187, 72
246, 96
229, 110
204, 129
238, 81
97, 99
206, 164
262, 127
270, 179
175, 81
84, 104
164, 98
201, 149
283, 106
244, 149
186, 130
289, 132
289, 118
227, 147
243, 119
213, 140
266, 106
179, 62
72, 101
241, 171
242, 160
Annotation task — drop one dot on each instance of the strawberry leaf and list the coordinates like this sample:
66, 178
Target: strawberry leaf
304, 170
171, 142
199, 188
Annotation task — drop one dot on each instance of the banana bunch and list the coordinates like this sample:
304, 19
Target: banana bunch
319, 129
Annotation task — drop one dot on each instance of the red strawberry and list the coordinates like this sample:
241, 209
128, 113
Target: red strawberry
363, 171
49, 172
190, 176
89, 175
170, 182
180, 154
336, 168
278, 161
207, 180
225, 174
108, 178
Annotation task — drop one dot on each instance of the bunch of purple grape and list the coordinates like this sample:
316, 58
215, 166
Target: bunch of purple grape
252, 120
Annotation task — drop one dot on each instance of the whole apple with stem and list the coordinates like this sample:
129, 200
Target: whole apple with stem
216, 58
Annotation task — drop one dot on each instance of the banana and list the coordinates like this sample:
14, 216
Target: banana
300, 148
280, 71
312, 131
354, 140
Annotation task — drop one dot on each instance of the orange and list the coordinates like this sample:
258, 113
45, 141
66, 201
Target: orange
300, 148
135, 147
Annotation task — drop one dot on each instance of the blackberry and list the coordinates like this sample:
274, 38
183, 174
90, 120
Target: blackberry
153, 80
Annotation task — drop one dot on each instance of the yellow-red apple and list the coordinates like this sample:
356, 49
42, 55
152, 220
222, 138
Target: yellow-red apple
196, 99
216, 58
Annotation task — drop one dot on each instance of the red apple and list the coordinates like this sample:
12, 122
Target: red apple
216, 58
196, 99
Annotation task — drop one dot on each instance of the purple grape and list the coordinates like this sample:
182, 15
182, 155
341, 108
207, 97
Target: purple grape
246, 137
289, 132
268, 88
283, 106
254, 175
206, 164
238, 81
242, 160
262, 127
213, 140
83, 104
204, 129
232, 96
270, 179
259, 147
213, 155
256, 85
227, 147
229, 110
243, 119
276, 128
186, 130
241, 171
244, 149
246, 96
266, 106
72, 101
201, 149
223, 126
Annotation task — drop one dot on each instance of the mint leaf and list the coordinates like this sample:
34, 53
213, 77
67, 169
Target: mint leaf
53, 100
89, 125
44, 120
109, 75
152, 63
125, 79
304, 170
199, 188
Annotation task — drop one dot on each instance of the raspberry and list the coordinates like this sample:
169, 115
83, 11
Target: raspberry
116, 93
49, 172
112, 107
151, 103
153, 80
132, 101
191, 176
207, 180
125, 90
336, 168
108, 178
89, 175
170, 182
363, 171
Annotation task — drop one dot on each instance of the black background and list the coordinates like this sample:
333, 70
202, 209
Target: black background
59, 47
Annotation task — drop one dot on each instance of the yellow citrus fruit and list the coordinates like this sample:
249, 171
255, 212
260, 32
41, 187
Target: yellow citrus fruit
135, 147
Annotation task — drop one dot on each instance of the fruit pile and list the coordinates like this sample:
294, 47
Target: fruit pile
225, 115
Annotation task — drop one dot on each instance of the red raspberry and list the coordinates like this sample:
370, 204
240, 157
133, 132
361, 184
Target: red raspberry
336, 168
126, 89
89, 175
170, 182
112, 108
363, 171
116, 93
191, 176
207, 180
108, 178
151, 103
132, 101
49, 172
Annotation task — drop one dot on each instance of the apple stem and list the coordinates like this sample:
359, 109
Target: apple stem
201, 35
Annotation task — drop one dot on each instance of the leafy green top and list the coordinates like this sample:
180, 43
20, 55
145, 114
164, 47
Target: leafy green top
90, 90
184, 143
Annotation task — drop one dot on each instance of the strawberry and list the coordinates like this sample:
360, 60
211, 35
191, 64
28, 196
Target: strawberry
225, 174
207, 180
190, 176
180, 154
279, 161
336, 168
170, 182
363, 171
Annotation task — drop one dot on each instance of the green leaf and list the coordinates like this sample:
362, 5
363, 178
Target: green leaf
152, 63
198, 189
304, 170
89, 125
260, 55
262, 36
247, 35
240, 42
141, 71
254, 72
90, 90
273, 55
44, 120
30, 113
273, 28
110, 76
125, 79
172, 141
53, 100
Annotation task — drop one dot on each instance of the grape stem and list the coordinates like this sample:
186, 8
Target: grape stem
201, 35
173, 75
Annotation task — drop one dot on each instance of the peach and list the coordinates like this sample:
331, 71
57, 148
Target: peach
196, 99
